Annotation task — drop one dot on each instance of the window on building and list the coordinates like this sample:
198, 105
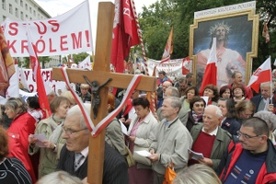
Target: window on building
3, 4
30, 9
4, 18
21, 15
26, 17
26, 7
21, 3
16, 12
10, 9
34, 13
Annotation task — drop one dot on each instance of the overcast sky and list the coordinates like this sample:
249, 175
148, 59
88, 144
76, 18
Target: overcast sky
57, 7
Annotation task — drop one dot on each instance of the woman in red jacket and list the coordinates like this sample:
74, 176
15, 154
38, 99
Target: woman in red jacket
22, 125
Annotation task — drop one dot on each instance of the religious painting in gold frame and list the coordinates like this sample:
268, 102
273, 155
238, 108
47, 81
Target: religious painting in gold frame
237, 36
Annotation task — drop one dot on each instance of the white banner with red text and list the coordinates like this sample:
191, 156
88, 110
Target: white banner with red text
63, 34
173, 68
28, 82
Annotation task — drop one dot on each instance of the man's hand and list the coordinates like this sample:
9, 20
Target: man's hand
154, 157
206, 161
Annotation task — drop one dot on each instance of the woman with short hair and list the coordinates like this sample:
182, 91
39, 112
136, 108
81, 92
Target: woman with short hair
51, 128
22, 125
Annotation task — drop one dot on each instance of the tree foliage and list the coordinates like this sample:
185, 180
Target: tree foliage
26, 61
76, 57
157, 19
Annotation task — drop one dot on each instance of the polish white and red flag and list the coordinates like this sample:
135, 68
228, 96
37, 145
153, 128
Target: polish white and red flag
210, 73
125, 33
35, 66
86, 63
261, 75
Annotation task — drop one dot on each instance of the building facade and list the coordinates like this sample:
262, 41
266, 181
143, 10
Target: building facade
25, 10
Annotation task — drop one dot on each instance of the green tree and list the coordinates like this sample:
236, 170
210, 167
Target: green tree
157, 19
42, 59
76, 57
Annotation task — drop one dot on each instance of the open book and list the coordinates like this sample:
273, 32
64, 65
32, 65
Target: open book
195, 155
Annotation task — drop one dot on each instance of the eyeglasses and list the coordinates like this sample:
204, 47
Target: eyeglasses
246, 136
199, 105
70, 131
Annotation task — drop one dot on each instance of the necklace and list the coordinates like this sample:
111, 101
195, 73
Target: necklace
219, 54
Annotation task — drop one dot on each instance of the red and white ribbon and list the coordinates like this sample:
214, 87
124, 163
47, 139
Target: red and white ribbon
95, 130
88, 121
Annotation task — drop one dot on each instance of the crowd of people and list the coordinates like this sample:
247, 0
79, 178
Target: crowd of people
206, 138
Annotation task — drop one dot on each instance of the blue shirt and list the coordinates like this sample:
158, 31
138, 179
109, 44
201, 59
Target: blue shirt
246, 169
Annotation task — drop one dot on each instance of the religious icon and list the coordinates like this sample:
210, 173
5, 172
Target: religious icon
95, 92
236, 44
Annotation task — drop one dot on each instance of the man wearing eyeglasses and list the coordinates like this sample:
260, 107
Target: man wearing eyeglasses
74, 154
253, 159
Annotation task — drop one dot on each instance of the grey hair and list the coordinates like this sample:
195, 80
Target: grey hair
174, 91
17, 105
218, 112
268, 84
268, 117
197, 174
76, 111
59, 177
175, 102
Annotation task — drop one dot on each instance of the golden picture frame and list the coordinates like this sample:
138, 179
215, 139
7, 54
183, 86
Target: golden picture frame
242, 40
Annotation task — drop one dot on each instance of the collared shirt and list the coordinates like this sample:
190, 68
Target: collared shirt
84, 152
168, 123
214, 132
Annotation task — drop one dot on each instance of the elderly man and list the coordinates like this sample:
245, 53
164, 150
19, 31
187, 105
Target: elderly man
172, 141
263, 100
173, 91
209, 138
74, 154
237, 80
161, 91
253, 160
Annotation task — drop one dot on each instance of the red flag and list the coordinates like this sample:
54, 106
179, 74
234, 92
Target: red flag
210, 73
262, 74
168, 48
35, 66
6, 65
125, 33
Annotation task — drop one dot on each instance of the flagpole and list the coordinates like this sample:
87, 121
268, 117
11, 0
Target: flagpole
91, 40
271, 84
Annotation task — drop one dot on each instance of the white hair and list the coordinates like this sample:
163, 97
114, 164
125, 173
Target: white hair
76, 111
59, 177
218, 112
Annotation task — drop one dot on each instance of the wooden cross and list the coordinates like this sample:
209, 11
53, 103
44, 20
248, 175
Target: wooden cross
101, 73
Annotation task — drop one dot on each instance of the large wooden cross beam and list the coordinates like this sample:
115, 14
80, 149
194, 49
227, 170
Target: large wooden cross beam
101, 73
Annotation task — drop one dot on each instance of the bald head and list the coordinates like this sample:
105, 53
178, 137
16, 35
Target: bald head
211, 118
165, 85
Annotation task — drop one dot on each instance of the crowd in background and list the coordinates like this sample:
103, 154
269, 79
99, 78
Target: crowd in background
206, 138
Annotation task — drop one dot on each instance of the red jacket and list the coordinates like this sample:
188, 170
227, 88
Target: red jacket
267, 172
21, 127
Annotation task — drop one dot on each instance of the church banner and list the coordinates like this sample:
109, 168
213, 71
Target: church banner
63, 34
173, 68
